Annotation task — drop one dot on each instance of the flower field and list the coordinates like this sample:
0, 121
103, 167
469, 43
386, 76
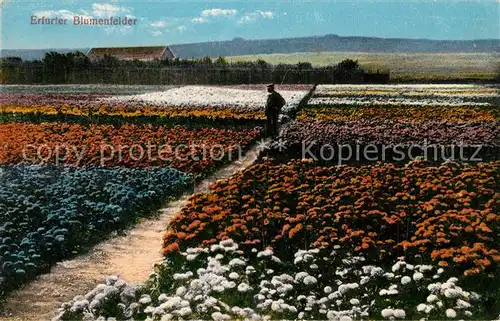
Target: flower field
393, 132
91, 89
293, 236
188, 150
467, 92
203, 96
384, 211
229, 285
85, 109
300, 241
241, 100
438, 122
419, 113
367, 140
49, 99
404, 102
450, 101
286, 87
202, 105
48, 212
69, 183
131, 112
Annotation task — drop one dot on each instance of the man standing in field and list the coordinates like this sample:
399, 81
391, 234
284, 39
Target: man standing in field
273, 108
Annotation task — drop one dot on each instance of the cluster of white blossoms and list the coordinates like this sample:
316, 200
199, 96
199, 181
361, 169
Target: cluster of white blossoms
224, 282
394, 101
212, 96
323, 88
449, 293
409, 89
112, 288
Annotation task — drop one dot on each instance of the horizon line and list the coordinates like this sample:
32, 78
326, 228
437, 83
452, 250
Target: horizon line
262, 39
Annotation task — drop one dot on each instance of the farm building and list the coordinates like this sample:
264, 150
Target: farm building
133, 53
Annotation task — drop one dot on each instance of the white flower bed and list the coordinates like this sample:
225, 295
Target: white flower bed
391, 101
221, 283
210, 96
461, 95
409, 87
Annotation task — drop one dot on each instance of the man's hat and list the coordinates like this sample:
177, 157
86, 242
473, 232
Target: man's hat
270, 86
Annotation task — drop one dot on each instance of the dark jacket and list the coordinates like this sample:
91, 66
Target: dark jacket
274, 104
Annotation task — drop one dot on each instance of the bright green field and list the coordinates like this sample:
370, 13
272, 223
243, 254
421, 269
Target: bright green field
398, 63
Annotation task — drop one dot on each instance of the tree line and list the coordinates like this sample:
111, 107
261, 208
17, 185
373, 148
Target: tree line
77, 68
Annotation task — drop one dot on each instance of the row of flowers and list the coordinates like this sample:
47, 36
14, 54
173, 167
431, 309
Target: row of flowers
173, 103
203, 96
87, 89
381, 113
461, 91
99, 109
405, 96
360, 101
447, 214
278, 87
448, 87
469, 94
91, 105
49, 212
392, 132
56, 100
195, 151
224, 282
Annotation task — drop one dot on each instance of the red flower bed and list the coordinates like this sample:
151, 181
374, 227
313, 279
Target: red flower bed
392, 132
196, 151
448, 213
365, 140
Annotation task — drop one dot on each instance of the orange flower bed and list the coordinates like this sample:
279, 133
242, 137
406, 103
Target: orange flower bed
195, 151
446, 213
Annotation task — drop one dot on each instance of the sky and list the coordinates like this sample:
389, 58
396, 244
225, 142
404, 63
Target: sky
164, 22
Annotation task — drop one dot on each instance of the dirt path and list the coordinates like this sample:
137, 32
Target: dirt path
131, 257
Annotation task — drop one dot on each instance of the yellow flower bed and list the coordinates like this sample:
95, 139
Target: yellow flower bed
468, 114
452, 92
136, 112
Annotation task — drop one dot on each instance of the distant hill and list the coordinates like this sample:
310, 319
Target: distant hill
332, 43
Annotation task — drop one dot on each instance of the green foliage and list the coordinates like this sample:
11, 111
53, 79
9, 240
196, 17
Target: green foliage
348, 65
221, 61
109, 61
347, 70
304, 65
57, 67
206, 61
76, 67
262, 63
